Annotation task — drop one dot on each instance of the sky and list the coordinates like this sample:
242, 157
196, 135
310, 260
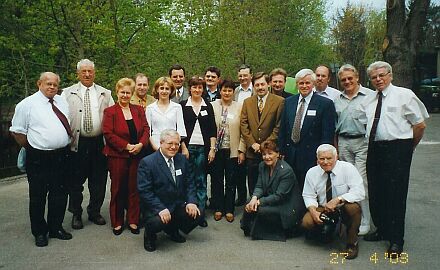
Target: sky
376, 4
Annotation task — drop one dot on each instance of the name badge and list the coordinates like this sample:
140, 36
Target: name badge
311, 112
178, 172
230, 116
203, 113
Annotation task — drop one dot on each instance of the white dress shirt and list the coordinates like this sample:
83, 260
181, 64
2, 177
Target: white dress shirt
329, 92
94, 108
346, 182
158, 121
35, 118
306, 105
401, 109
244, 93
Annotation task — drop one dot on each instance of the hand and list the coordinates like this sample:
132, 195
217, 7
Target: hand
315, 216
185, 152
256, 147
136, 149
252, 206
165, 216
331, 205
241, 157
211, 155
192, 210
129, 147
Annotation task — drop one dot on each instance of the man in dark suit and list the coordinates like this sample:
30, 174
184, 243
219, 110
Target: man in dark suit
167, 192
177, 75
260, 121
307, 122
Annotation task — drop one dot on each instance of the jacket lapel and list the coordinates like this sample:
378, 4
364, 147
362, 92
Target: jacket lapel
308, 120
164, 167
275, 172
267, 108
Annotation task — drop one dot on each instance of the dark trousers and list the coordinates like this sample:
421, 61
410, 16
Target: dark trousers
223, 182
252, 164
197, 172
124, 193
388, 168
265, 224
240, 180
179, 221
46, 171
88, 163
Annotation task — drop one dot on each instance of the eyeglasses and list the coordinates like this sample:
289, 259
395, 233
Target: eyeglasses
173, 144
379, 76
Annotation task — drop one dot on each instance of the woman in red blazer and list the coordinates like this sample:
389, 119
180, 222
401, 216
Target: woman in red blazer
126, 133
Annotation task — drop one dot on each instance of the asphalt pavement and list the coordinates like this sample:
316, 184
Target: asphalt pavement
222, 245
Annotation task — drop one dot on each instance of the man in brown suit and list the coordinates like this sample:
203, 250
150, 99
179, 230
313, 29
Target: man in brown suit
260, 121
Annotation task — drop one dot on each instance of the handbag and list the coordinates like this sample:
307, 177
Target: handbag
21, 160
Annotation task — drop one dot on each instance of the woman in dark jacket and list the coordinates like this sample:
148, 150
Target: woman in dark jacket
126, 134
276, 207
200, 140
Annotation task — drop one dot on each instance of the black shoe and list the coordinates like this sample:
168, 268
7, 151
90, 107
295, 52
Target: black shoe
77, 223
150, 243
177, 237
60, 234
374, 237
41, 240
134, 231
203, 223
118, 231
394, 251
240, 202
98, 219
352, 251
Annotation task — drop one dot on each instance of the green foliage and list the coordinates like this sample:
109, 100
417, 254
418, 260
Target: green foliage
124, 37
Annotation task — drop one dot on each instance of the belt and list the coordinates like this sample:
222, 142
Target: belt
351, 136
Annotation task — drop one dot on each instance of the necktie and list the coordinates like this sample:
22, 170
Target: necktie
62, 117
260, 105
88, 124
296, 130
178, 94
171, 166
376, 117
328, 187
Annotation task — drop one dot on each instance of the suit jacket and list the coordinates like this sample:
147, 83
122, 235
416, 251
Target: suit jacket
256, 129
234, 111
318, 128
116, 133
73, 97
280, 192
183, 97
157, 189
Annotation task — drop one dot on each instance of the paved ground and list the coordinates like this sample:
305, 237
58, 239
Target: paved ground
222, 245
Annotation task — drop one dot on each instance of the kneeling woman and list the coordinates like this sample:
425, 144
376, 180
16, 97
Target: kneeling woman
276, 207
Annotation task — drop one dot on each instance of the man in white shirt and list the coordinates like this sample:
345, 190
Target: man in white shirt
87, 102
40, 124
330, 187
395, 120
321, 84
242, 92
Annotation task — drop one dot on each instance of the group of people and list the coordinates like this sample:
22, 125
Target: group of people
312, 161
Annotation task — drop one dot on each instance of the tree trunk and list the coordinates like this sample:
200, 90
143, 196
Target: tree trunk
402, 39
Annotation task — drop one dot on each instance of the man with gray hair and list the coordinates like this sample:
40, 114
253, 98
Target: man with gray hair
307, 121
350, 132
41, 126
332, 190
87, 102
168, 192
395, 120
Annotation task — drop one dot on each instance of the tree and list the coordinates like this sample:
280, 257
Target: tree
404, 30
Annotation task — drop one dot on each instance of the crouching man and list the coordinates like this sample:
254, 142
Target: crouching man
332, 190
166, 190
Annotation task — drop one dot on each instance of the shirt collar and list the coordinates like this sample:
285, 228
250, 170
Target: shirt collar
386, 91
83, 87
307, 98
264, 98
138, 97
246, 90
189, 102
166, 159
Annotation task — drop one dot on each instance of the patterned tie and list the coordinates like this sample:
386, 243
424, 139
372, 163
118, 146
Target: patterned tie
296, 130
328, 187
62, 118
178, 94
260, 105
376, 117
88, 124
171, 166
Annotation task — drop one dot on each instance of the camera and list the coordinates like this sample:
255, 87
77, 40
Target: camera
327, 229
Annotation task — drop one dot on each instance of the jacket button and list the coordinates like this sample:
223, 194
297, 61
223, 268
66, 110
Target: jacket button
80, 110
